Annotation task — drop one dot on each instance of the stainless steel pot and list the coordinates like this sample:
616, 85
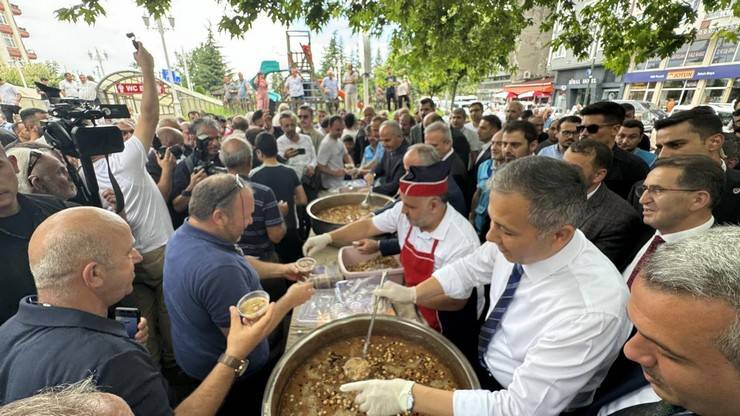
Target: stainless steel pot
353, 198
355, 326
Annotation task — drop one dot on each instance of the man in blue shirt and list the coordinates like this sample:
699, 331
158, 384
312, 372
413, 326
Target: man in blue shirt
629, 137
205, 272
567, 134
331, 89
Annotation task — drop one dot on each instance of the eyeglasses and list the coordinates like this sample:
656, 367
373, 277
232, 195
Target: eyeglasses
33, 158
594, 128
657, 190
238, 184
569, 133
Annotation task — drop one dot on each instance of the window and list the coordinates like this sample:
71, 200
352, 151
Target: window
678, 57
714, 90
724, 52
681, 91
642, 91
559, 53
9, 42
3, 21
696, 52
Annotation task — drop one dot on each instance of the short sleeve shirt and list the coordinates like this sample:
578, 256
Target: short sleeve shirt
295, 86
255, 241
283, 181
46, 346
331, 155
332, 87
203, 276
8, 94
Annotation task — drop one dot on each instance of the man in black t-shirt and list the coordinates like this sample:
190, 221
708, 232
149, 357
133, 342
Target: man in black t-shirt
390, 90
287, 187
19, 216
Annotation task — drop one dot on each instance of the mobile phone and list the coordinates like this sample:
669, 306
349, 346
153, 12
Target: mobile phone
133, 40
130, 318
300, 151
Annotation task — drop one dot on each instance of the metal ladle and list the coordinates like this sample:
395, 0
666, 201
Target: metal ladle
357, 368
366, 202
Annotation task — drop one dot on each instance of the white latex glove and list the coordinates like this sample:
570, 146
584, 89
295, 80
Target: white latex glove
396, 293
382, 397
316, 244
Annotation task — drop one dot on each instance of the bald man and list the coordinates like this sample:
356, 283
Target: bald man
83, 262
161, 162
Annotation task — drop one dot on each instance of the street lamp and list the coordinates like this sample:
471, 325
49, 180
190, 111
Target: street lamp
159, 27
99, 56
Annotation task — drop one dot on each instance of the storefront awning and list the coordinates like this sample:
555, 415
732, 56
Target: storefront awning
533, 94
505, 95
543, 86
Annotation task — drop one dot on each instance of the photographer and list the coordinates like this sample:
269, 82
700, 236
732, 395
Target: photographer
198, 165
161, 162
145, 210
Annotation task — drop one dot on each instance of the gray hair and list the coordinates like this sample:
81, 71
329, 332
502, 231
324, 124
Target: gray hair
393, 127
426, 154
241, 156
78, 399
554, 189
212, 193
705, 266
442, 127
203, 123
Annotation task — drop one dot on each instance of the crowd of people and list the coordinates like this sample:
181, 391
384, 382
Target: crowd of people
568, 259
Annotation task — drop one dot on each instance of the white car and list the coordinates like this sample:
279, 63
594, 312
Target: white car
724, 111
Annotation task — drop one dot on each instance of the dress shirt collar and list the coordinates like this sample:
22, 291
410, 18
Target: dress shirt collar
447, 156
590, 194
36, 314
440, 232
553, 264
678, 236
485, 148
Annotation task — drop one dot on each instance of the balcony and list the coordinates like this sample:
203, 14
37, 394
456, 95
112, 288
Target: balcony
23, 32
6, 29
31, 54
15, 9
14, 52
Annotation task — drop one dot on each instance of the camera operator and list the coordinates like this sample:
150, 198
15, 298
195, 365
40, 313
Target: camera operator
198, 165
146, 212
161, 162
20, 214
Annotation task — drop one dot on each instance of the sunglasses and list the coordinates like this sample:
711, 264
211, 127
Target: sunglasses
33, 158
593, 128
238, 184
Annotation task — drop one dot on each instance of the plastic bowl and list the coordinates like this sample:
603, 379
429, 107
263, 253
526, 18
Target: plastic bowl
253, 305
306, 264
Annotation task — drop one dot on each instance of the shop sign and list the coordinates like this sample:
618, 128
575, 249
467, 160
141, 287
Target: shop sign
132, 88
685, 74
582, 81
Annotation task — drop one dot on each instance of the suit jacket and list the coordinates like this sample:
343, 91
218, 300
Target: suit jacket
613, 226
390, 169
417, 134
728, 209
660, 408
626, 169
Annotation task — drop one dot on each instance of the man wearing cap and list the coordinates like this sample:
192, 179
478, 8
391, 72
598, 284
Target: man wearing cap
431, 233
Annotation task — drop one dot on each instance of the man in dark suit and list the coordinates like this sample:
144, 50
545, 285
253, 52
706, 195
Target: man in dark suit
439, 136
390, 169
609, 221
686, 321
488, 126
698, 132
426, 106
601, 122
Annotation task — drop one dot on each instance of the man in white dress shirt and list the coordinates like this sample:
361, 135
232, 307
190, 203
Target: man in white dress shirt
558, 318
296, 148
678, 196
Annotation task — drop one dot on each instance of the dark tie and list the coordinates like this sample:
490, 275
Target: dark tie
657, 240
491, 325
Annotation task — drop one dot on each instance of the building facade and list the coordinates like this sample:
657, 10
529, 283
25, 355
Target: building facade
12, 35
706, 71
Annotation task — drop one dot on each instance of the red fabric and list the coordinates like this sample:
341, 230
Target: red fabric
418, 267
657, 240
423, 189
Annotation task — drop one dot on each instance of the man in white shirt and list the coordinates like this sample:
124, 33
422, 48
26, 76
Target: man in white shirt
431, 234
294, 87
69, 87
332, 156
686, 315
87, 89
296, 148
457, 121
558, 305
10, 100
146, 212
678, 196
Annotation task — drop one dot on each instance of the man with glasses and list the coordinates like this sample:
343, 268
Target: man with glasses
699, 132
305, 122
568, 131
41, 171
205, 273
601, 122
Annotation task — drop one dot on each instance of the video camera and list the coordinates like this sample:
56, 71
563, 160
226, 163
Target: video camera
202, 161
71, 129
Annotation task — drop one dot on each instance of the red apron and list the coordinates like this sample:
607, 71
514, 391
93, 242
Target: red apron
418, 267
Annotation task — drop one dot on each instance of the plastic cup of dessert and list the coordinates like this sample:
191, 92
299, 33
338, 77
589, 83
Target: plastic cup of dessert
306, 264
253, 305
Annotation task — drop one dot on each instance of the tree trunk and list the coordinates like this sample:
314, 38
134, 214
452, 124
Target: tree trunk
454, 91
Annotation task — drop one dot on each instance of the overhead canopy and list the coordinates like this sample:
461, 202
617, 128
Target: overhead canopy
533, 94
505, 95
543, 86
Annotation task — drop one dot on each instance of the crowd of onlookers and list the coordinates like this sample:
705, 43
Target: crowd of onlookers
214, 207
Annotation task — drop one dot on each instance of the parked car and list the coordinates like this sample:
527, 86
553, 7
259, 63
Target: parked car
724, 111
646, 112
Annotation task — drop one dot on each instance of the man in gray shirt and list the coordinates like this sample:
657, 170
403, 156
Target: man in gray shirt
332, 155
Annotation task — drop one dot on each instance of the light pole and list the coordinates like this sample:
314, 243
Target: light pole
184, 58
159, 27
99, 56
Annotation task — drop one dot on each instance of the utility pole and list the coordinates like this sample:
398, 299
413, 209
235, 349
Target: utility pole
161, 29
184, 58
99, 56
366, 68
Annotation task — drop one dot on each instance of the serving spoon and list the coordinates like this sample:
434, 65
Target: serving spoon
358, 367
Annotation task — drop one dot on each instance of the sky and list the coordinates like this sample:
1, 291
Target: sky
69, 43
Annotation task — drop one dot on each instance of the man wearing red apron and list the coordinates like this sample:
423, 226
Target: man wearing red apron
432, 234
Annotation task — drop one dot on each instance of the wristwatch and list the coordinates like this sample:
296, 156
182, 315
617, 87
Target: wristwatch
239, 366
186, 193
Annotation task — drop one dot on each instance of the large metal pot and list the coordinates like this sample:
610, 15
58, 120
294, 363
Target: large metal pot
354, 198
354, 326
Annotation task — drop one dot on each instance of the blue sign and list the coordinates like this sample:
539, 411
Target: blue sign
173, 78
696, 73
